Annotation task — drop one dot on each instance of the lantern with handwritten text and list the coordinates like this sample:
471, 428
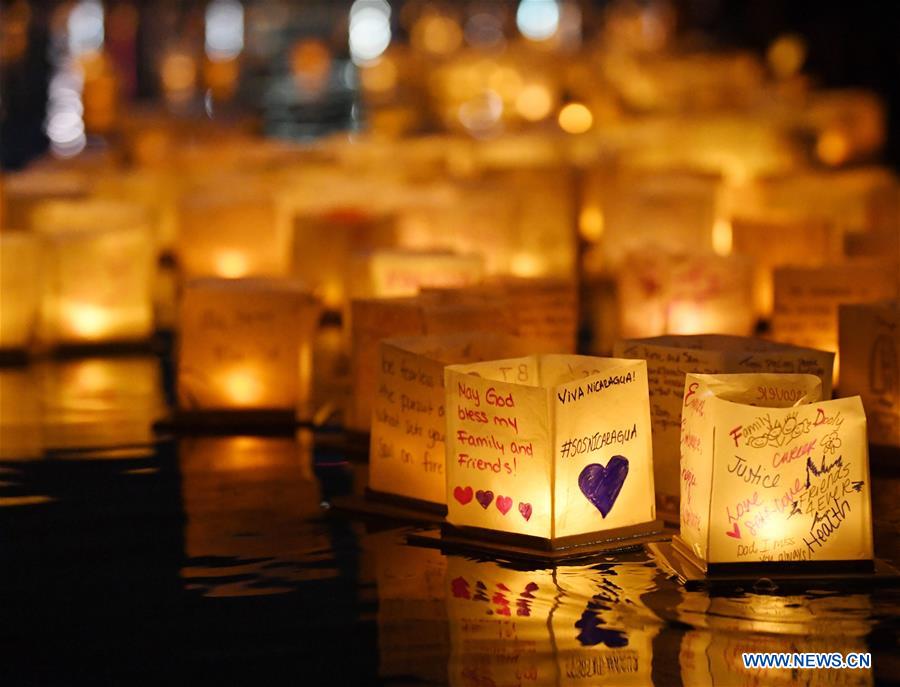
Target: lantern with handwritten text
19, 288
408, 418
771, 477
98, 264
245, 345
396, 273
869, 335
670, 358
554, 450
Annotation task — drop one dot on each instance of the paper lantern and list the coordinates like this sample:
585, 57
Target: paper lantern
554, 449
869, 337
375, 319
668, 211
232, 232
324, 245
19, 288
670, 358
774, 241
234, 485
663, 293
806, 299
98, 266
100, 402
24, 191
771, 477
391, 274
245, 344
408, 419
541, 310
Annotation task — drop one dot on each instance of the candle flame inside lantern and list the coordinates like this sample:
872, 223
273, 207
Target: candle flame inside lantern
243, 386
722, 236
87, 321
231, 264
590, 222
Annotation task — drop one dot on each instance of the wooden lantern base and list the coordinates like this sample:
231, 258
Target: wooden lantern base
677, 558
386, 506
474, 540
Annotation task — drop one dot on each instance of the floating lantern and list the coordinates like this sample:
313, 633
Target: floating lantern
98, 265
391, 274
670, 358
232, 232
246, 345
19, 288
553, 449
375, 319
663, 293
772, 478
324, 244
408, 419
869, 336
669, 211
806, 299
777, 241
24, 191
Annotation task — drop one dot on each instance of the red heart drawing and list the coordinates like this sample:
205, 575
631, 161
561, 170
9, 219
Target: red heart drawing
735, 533
504, 503
525, 510
463, 495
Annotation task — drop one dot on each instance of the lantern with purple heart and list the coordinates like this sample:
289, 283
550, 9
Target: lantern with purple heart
549, 453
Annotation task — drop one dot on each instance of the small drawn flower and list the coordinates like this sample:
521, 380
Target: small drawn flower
831, 442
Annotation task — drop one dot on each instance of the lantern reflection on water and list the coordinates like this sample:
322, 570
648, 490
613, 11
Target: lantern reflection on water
98, 265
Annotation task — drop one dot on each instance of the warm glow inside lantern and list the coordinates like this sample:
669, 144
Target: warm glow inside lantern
19, 288
771, 475
98, 265
408, 418
375, 319
670, 358
807, 299
232, 232
553, 448
869, 340
246, 344
662, 293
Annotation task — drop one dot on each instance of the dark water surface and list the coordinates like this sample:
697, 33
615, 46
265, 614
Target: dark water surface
126, 559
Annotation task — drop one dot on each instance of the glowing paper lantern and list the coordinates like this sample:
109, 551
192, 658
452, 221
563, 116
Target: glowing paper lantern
771, 475
98, 265
391, 274
663, 293
776, 241
670, 358
869, 339
375, 319
553, 448
672, 212
232, 232
806, 299
408, 419
245, 345
324, 244
24, 191
19, 288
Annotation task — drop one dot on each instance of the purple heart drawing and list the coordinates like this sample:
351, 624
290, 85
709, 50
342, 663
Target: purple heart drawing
484, 498
601, 485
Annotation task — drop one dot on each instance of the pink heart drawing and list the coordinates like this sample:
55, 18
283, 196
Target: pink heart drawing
484, 498
504, 503
463, 495
525, 510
